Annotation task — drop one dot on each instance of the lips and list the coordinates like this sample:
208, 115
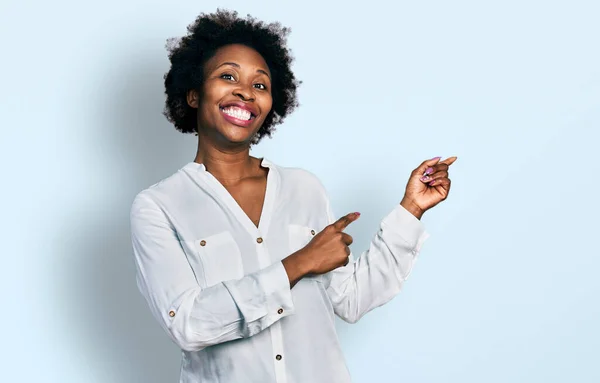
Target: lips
241, 105
243, 114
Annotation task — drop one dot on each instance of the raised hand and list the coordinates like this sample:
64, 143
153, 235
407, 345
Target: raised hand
427, 186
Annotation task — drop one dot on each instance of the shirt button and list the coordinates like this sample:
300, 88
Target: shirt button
312, 232
202, 243
171, 313
279, 311
259, 239
278, 357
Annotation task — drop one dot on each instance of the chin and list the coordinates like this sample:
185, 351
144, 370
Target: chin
237, 135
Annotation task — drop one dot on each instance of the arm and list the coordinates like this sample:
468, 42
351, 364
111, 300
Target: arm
194, 317
379, 273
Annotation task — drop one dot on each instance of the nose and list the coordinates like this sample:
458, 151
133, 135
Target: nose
244, 92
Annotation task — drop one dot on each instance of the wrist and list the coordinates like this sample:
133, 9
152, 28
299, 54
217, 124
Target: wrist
303, 262
412, 208
297, 266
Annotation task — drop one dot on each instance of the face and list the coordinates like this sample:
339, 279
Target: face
236, 96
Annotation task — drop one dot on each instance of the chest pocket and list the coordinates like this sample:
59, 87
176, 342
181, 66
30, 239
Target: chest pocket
221, 258
298, 237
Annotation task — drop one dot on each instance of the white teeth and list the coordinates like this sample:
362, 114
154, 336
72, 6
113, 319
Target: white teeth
238, 113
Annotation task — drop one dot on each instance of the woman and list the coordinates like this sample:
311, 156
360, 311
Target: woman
240, 260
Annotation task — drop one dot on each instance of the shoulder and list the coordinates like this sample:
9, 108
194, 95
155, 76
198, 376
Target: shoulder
161, 192
305, 192
301, 178
303, 187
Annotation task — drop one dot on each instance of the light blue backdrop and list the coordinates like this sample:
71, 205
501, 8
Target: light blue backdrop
506, 289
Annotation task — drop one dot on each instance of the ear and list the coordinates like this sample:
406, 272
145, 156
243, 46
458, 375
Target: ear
192, 98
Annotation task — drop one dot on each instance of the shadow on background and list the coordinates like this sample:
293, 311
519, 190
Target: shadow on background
112, 328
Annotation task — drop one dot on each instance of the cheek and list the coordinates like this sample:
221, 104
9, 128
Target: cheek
206, 102
204, 112
266, 105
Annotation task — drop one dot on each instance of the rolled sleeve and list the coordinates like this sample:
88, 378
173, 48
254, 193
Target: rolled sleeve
262, 310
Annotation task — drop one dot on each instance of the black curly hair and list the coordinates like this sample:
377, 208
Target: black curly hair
205, 36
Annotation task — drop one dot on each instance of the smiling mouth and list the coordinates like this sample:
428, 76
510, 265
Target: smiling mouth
237, 113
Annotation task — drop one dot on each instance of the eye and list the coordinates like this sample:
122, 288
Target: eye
227, 76
260, 86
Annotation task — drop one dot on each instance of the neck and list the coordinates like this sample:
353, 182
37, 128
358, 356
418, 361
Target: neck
226, 165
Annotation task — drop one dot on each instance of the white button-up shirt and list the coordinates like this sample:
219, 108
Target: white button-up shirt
216, 284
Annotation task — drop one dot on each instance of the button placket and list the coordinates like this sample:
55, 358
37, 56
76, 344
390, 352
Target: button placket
261, 250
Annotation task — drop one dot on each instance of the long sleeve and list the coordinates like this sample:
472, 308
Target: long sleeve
194, 317
379, 273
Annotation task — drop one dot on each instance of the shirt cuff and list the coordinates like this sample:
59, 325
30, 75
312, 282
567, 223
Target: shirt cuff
275, 299
279, 293
401, 222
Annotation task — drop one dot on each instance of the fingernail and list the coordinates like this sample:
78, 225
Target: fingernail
424, 178
357, 213
434, 158
432, 182
429, 170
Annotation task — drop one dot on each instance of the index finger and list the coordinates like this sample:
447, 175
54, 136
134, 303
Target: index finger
346, 220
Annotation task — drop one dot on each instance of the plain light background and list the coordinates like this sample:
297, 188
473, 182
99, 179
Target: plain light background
505, 290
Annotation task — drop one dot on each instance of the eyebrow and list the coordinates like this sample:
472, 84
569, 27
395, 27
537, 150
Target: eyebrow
238, 66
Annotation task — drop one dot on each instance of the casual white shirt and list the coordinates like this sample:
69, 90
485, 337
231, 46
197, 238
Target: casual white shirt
216, 284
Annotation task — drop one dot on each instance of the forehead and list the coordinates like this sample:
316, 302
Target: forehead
244, 56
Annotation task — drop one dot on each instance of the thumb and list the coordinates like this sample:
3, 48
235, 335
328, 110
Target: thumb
427, 163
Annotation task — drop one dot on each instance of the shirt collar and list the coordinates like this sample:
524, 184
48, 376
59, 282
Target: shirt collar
201, 168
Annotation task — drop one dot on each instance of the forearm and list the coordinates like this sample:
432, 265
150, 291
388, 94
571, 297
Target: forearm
197, 318
379, 273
